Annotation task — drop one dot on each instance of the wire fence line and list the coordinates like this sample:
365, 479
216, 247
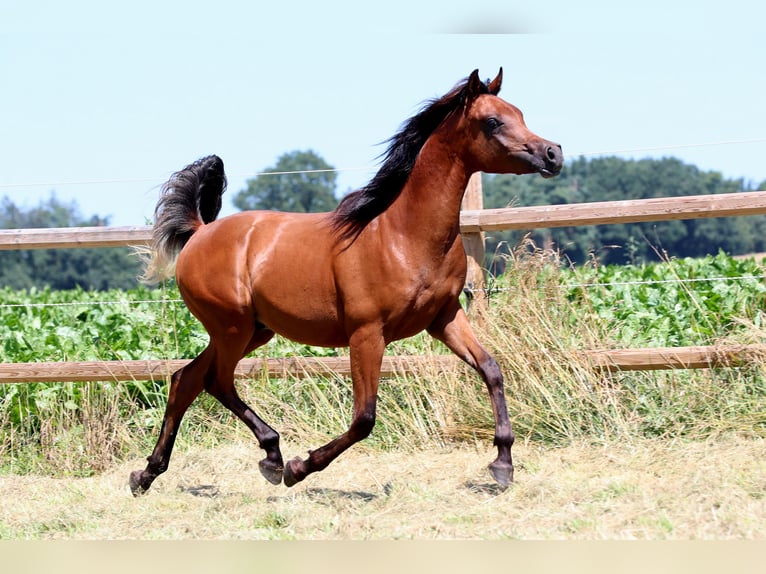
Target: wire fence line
487, 290
92, 303
490, 289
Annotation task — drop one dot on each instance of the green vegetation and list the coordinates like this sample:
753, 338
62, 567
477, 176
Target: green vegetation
541, 312
674, 303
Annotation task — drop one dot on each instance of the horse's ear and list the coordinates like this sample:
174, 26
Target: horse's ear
474, 88
494, 85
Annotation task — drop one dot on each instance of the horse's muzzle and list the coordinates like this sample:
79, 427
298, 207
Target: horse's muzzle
553, 160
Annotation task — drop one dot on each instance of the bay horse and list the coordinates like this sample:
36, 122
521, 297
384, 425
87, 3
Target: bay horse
387, 263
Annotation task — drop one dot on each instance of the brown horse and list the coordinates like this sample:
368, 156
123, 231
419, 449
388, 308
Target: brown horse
385, 265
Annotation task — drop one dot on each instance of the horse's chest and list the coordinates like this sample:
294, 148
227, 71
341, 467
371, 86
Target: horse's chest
435, 286
403, 288
417, 298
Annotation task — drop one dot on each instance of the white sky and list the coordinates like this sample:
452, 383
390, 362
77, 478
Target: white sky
123, 94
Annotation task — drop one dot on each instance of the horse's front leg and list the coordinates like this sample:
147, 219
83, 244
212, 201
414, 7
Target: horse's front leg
453, 329
366, 348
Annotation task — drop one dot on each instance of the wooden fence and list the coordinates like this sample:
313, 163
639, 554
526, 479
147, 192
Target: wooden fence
472, 222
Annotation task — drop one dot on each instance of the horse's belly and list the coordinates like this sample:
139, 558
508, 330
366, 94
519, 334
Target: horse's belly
301, 311
316, 331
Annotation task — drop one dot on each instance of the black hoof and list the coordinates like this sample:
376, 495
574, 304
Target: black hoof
292, 475
137, 488
502, 472
271, 471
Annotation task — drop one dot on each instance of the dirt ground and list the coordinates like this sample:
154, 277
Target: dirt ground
645, 489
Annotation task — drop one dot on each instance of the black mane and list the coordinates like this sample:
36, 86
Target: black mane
360, 207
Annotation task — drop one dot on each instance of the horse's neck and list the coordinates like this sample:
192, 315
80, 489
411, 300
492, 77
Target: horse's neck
428, 209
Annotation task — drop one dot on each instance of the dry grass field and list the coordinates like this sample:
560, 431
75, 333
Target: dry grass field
643, 489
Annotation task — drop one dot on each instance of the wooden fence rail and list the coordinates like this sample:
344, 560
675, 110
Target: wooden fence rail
625, 211
603, 360
159, 369
571, 214
471, 221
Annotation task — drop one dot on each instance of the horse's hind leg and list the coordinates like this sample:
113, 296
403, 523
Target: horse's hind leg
185, 385
222, 388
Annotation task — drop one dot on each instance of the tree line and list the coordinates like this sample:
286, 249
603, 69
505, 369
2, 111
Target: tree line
582, 180
611, 179
86, 268
311, 186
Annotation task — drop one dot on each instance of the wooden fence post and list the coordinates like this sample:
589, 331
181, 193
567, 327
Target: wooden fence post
473, 243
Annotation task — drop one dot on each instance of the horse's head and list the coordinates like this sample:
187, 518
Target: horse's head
498, 140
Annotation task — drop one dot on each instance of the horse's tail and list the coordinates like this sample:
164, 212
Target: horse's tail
188, 200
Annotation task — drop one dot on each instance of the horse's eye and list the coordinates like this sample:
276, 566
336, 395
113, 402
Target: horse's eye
493, 124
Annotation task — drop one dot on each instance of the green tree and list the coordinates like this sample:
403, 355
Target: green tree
309, 185
95, 268
610, 179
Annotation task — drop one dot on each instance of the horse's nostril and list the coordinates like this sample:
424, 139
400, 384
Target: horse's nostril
551, 153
